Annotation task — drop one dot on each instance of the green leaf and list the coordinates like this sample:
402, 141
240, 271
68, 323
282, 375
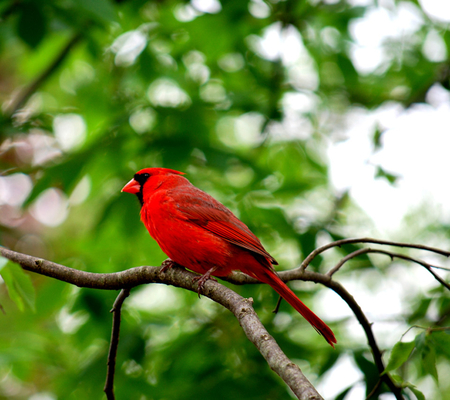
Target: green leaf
442, 342
370, 371
381, 173
377, 137
427, 351
420, 341
31, 26
101, 9
343, 394
399, 354
20, 287
417, 392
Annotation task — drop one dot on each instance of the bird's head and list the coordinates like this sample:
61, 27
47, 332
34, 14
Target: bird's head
148, 179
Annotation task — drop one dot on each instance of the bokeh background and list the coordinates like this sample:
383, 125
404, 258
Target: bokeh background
312, 120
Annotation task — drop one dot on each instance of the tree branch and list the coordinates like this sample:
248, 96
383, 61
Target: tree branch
342, 242
115, 331
179, 277
21, 98
311, 276
368, 250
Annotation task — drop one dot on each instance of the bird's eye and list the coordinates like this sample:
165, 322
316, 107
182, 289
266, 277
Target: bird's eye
142, 178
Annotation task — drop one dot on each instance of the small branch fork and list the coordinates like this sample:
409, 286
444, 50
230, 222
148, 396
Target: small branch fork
302, 273
240, 307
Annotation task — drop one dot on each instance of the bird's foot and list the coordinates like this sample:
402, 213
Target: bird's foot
167, 264
202, 280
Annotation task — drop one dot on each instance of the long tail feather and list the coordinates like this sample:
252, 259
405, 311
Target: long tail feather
272, 279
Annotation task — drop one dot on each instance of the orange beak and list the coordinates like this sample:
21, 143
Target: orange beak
132, 187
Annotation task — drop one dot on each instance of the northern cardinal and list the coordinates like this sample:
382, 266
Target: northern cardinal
199, 233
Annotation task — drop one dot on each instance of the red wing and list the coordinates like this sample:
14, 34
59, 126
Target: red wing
211, 215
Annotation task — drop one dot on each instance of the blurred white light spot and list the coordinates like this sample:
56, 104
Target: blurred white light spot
207, 6
213, 92
360, 3
167, 61
295, 124
128, 46
231, 62
185, 13
286, 44
333, 382
42, 396
248, 128
161, 46
437, 9
239, 176
299, 102
143, 120
198, 73
196, 68
244, 130
362, 29
38, 146
166, 93
422, 165
194, 57
400, 23
14, 189
279, 42
438, 96
366, 59
258, 9
330, 36
50, 208
80, 73
81, 191
70, 323
69, 130
155, 298
434, 47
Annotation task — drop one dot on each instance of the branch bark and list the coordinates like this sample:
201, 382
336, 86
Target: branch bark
114, 344
179, 277
326, 280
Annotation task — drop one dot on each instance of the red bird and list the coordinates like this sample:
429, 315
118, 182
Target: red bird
199, 233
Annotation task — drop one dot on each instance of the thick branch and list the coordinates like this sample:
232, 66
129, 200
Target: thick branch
179, 277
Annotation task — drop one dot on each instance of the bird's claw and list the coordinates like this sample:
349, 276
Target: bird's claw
167, 264
202, 280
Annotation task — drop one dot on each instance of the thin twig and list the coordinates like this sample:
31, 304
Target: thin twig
342, 242
348, 257
392, 255
374, 389
277, 306
426, 328
26, 93
115, 331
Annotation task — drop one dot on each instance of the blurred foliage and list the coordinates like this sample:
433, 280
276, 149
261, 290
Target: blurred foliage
243, 97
